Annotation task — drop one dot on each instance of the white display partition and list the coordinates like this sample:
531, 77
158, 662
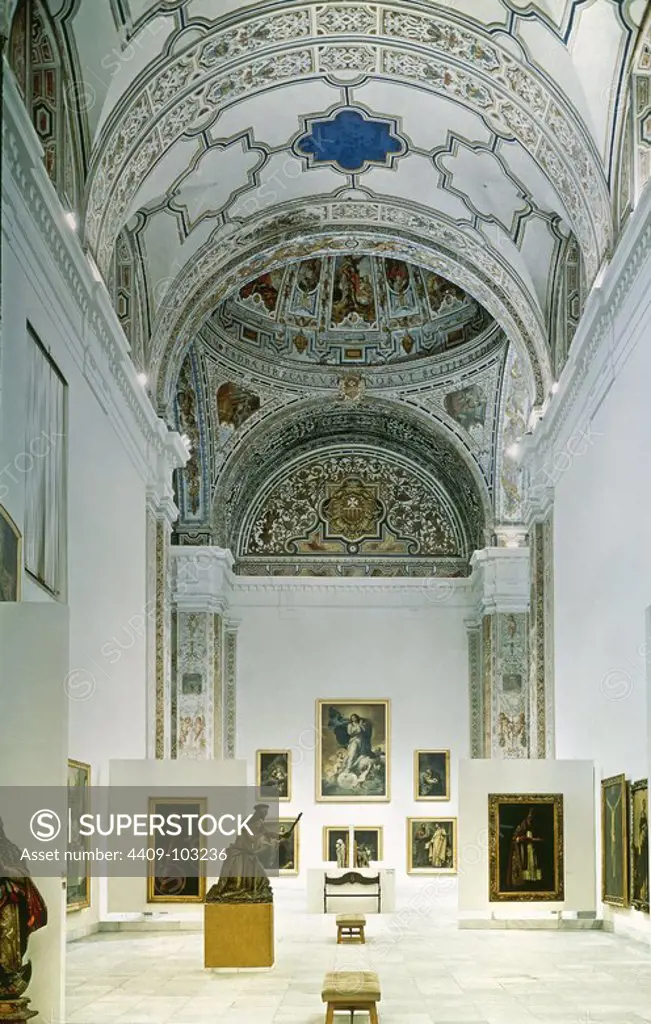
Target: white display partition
350, 899
127, 897
576, 781
34, 666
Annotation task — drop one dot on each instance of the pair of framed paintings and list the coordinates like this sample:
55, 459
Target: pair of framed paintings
431, 845
349, 846
625, 842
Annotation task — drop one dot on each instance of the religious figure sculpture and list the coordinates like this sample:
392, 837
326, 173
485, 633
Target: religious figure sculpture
340, 850
243, 878
22, 911
523, 860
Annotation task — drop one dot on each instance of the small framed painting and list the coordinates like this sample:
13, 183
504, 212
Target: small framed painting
288, 847
171, 886
273, 774
367, 845
525, 844
431, 846
639, 833
431, 775
11, 559
352, 755
78, 868
336, 845
614, 841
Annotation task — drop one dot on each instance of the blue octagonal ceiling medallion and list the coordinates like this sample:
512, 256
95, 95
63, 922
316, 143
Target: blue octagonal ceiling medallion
350, 140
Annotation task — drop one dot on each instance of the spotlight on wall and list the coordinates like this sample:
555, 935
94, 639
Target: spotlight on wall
187, 443
142, 379
554, 387
71, 219
513, 450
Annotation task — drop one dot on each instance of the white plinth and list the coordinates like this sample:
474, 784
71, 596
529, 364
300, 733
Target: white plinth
363, 904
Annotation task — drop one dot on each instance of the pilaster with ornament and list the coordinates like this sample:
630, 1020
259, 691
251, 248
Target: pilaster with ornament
540, 524
230, 684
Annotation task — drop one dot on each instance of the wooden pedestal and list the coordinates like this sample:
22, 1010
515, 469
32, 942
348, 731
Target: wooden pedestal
238, 935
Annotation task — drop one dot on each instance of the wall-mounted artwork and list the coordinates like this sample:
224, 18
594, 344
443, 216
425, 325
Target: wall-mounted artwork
639, 832
78, 871
431, 846
366, 846
10, 558
526, 847
431, 775
352, 762
168, 882
288, 847
336, 845
614, 841
273, 774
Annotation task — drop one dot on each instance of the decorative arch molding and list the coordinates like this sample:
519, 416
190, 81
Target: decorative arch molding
434, 50
324, 227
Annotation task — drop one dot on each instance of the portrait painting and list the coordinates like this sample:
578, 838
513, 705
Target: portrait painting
10, 558
431, 846
78, 871
367, 846
336, 845
352, 756
286, 859
614, 841
639, 833
273, 774
431, 775
525, 842
177, 879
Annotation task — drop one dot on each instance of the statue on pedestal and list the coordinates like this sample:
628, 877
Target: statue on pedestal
243, 878
22, 911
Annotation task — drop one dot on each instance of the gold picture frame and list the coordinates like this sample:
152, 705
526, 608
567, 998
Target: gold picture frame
614, 841
273, 774
11, 558
289, 850
330, 835
431, 846
176, 887
639, 844
353, 751
372, 838
431, 775
526, 847
78, 894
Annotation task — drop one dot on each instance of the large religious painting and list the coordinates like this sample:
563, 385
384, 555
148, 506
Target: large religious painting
526, 847
353, 292
614, 841
273, 774
10, 558
336, 845
352, 762
431, 846
367, 845
431, 775
639, 833
78, 867
172, 881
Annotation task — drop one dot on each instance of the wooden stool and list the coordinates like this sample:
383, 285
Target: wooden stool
350, 928
351, 990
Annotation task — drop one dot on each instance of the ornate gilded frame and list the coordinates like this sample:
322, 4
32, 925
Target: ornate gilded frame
327, 829
352, 703
641, 786
411, 870
297, 848
353, 842
82, 904
618, 782
446, 795
153, 897
19, 549
495, 802
259, 754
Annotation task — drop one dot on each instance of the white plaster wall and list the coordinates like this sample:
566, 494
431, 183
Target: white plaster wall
339, 641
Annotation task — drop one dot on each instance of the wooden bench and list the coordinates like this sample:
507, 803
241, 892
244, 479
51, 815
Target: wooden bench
351, 990
351, 878
350, 928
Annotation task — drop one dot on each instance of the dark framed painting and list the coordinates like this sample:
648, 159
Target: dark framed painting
288, 847
431, 846
11, 557
431, 775
639, 836
525, 843
273, 774
78, 871
353, 750
172, 882
614, 841
336, 845
367, 845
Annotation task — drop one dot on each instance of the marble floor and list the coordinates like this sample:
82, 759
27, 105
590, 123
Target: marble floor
430, 973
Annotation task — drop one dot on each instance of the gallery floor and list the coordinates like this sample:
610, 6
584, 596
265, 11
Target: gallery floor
431, 973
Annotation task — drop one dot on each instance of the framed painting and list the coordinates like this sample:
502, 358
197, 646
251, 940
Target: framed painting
336, 845
11, 558
525, 844
431, 775
367, 845
273, 774
170, 883
614, 841
639, 834
431, 846
353, 745
78, 871
288, 847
